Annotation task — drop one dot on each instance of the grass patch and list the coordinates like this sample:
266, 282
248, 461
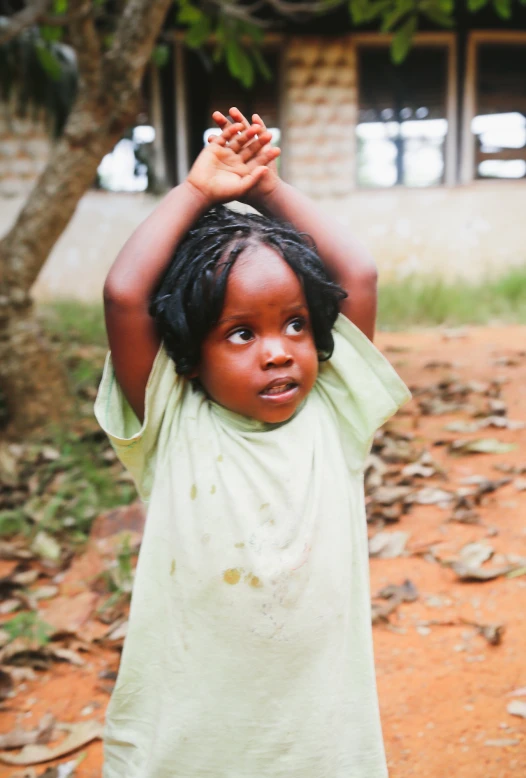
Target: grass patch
422, 301
71, 321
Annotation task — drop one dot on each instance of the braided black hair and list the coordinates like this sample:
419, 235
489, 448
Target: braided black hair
190, 296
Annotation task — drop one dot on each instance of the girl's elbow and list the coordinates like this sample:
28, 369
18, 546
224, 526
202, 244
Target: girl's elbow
118, 295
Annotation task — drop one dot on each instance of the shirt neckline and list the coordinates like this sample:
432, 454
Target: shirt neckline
248, 424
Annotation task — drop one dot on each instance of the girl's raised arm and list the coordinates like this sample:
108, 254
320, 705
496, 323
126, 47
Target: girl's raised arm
219, 174
131, 282
347, 260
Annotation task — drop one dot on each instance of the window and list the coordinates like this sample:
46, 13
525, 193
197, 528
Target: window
499, 124
403, 121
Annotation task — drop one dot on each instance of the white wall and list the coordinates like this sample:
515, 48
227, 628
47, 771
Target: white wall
466, 231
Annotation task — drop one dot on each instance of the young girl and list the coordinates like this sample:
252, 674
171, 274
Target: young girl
249, 649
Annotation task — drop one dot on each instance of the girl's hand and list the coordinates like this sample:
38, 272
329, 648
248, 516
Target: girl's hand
232, 164
265, 185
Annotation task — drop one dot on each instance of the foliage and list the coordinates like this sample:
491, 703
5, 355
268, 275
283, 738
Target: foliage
39, 73
41, 63
27, 625
236, 41
60, 483
402, 17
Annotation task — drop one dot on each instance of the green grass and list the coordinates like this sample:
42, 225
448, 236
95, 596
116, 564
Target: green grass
421, 301
416, 301
69, 320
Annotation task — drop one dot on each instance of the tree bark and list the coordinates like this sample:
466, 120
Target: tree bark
33, 383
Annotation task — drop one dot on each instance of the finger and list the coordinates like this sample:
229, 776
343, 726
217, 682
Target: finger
228, 133
256, 119
255, 147
237, 116
266, 156
256, 175
242, 138
221, 120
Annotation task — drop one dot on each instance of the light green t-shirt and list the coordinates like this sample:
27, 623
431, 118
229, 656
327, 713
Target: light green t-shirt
249, 648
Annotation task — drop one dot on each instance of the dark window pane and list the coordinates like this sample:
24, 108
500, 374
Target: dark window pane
500, 122
402, 124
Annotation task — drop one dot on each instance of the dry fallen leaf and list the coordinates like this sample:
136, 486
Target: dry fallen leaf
481, 446
475, 554
23, 737
517, 708
79, 735
466, 573
431, 496
388, 545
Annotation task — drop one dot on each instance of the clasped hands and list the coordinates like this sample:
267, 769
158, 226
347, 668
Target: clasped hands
239, 163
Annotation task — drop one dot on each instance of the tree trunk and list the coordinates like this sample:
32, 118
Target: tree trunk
32, 381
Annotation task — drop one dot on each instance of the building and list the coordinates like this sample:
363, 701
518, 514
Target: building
426, 160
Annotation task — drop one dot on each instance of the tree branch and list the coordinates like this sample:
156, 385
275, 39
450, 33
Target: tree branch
291, 9
243, 12
11, 26
133, 42
86, 42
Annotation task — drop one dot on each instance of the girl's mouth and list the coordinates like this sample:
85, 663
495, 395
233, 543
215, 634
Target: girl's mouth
280, 392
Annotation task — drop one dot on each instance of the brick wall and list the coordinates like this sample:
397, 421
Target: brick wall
319, 115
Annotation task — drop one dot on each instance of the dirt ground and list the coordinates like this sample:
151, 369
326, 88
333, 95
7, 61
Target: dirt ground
450, 662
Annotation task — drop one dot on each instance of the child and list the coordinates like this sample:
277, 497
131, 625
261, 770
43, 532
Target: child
249, 648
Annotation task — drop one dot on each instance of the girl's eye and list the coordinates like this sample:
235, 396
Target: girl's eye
240, 336
295, 326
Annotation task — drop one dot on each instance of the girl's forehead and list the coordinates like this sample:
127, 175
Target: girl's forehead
261, 268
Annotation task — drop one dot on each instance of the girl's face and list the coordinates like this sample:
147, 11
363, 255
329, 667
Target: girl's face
260, 359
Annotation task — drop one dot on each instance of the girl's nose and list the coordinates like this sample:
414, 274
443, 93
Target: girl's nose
276, 354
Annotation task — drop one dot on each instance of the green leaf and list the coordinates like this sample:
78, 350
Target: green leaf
439, 17
60, 6
160, 55
189, 14
218, 53
392, 18
359, 11
48, 61
257, 34
198, 33
403, 39
51, 34
261, 65
239, 63
503, 8
476, 5
29, 626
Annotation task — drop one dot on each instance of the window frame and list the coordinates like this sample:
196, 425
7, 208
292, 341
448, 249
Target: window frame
446, 40
475, 38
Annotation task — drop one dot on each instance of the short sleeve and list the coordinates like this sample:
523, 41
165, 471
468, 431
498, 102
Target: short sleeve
362, 388
136, 445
